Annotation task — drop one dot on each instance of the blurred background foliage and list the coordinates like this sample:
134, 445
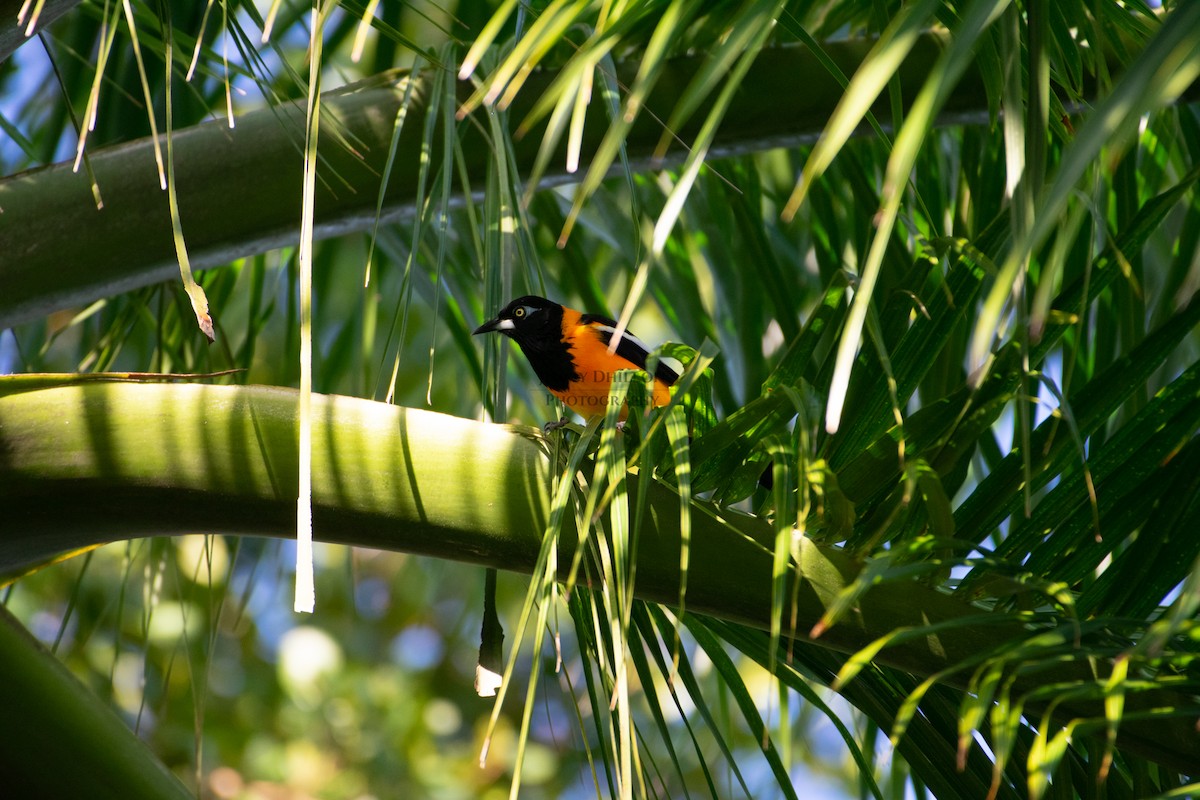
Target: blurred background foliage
1059, 235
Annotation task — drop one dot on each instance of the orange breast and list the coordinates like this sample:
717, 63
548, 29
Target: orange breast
596, 368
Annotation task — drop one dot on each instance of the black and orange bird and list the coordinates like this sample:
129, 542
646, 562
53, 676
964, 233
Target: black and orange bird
569, 352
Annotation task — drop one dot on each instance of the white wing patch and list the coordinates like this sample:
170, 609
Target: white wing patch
609, 331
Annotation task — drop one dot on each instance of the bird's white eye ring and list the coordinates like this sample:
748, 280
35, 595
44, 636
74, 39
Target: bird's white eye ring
520, 312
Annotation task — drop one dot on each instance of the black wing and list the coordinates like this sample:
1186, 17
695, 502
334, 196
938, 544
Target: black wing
630, 347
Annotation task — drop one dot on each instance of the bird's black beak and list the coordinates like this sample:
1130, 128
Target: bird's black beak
491, 325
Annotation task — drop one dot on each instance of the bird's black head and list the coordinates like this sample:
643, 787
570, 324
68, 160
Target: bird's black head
535, 324
529, 321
